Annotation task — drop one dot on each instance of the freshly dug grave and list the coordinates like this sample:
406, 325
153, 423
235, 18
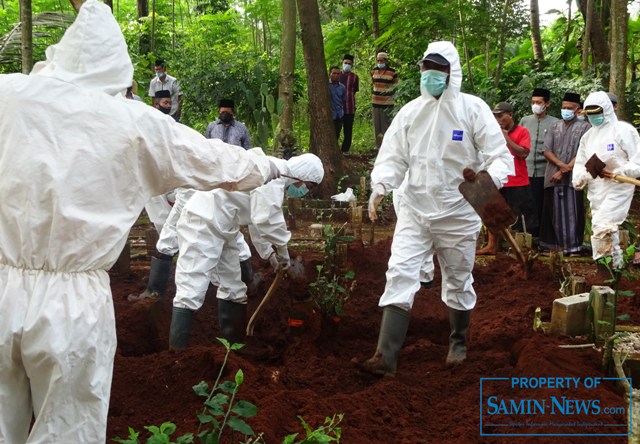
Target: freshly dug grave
311, 374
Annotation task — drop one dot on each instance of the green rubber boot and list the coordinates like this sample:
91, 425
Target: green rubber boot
459, 323
180, 328
232, 320
158, 278
393, 330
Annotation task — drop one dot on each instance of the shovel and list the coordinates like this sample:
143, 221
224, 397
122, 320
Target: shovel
480, 191
272, 289
595, 167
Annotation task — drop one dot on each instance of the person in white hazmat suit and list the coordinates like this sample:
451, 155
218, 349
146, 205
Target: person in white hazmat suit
617, 144
207, 232
78, 162
432, 139
167, 248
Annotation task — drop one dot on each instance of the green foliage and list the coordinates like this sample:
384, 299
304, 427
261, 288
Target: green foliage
265, 111
221, 412
332, 287
328, 432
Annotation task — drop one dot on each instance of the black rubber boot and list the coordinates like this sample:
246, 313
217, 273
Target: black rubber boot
180, 328
246, 271
459, 323
232, 320
158, 278
393, 330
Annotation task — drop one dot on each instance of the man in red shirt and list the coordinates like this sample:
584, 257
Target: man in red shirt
517, 191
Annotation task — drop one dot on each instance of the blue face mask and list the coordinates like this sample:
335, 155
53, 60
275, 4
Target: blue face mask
435, 82
596, 120
294, 191
567, 114
381, 65
159, 74
580, 118
346, 67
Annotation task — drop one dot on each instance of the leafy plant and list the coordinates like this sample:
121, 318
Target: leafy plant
332, 287
221, 412
328, 432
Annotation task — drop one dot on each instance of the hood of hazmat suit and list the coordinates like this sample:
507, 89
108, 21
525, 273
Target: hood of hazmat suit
616, 143
79, 161
432, 140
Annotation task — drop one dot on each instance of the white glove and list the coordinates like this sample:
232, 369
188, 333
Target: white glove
274, 172
377, 193
280, 259
580, 182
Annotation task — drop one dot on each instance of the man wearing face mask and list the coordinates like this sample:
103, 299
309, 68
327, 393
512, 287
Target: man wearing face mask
384, 80
537, 124
352, 83
431, 140
207, 232
563, 221
227, 128
162, 101
164, 82
616, 144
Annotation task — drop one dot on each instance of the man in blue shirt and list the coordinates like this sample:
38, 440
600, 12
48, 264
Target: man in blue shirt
227, 128
338, 97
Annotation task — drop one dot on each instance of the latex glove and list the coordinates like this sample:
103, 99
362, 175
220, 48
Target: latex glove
377, 193
280, 259
274, 172
580, 182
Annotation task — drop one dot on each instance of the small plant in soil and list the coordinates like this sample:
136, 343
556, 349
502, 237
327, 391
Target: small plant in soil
328, 432
332, 287
222, 412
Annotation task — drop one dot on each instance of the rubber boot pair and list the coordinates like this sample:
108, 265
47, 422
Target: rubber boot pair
459, 324
393, 330
158, 278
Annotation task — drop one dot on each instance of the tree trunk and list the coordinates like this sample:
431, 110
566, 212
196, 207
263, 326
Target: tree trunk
596, 35
536, 40
323, 141
375, 21
586, 41
567, 36
76, 4
464, 45
26, 28
286, 141
109, 3
502, 41
618, 72
143, 11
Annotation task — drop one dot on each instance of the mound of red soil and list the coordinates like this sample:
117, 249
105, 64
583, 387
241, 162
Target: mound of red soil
311, 374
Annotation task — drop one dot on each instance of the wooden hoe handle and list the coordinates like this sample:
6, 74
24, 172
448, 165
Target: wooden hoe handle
272, 289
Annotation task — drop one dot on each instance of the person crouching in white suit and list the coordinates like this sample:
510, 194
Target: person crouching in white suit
207, 232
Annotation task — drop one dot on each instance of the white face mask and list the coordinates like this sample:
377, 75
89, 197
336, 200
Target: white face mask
538, 109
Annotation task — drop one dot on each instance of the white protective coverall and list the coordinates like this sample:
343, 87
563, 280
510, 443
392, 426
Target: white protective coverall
78, 162
617, 144
210, 224
432, 141
168, 240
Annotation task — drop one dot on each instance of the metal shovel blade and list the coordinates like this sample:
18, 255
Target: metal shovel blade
480, 191
594, 166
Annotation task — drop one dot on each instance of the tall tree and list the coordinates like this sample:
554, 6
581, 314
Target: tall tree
596, 35
375, 20
618, 72
26, 28
287, 64
586, 41
536, 40
323, 141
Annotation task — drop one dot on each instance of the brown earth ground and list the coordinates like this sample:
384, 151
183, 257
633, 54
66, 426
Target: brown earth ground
310, 373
